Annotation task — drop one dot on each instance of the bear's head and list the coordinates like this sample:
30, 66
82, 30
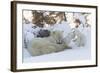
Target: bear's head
57, 35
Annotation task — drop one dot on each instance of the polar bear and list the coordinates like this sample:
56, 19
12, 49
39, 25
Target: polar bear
69, 37
80, 38
46, 45
75, 36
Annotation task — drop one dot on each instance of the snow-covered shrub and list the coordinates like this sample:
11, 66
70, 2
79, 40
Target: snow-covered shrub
40, 46
81, 17
27, 16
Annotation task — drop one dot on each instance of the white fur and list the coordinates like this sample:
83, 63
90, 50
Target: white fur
70, 36
76, 36
80, 38
40, 46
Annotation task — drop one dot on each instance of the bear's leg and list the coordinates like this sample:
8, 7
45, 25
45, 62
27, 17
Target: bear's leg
34, 52
48, 49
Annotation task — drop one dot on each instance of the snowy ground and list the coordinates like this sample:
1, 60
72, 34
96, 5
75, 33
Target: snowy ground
76, 53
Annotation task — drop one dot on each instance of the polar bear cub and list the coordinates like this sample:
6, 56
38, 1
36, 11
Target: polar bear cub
80, 38
75, 36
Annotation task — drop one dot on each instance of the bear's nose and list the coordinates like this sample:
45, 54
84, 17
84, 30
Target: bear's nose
59, 42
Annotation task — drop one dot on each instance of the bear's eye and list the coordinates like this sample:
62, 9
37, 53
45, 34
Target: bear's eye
54, 32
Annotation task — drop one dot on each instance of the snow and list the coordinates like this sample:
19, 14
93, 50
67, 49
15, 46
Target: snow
76, 53
29, 33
